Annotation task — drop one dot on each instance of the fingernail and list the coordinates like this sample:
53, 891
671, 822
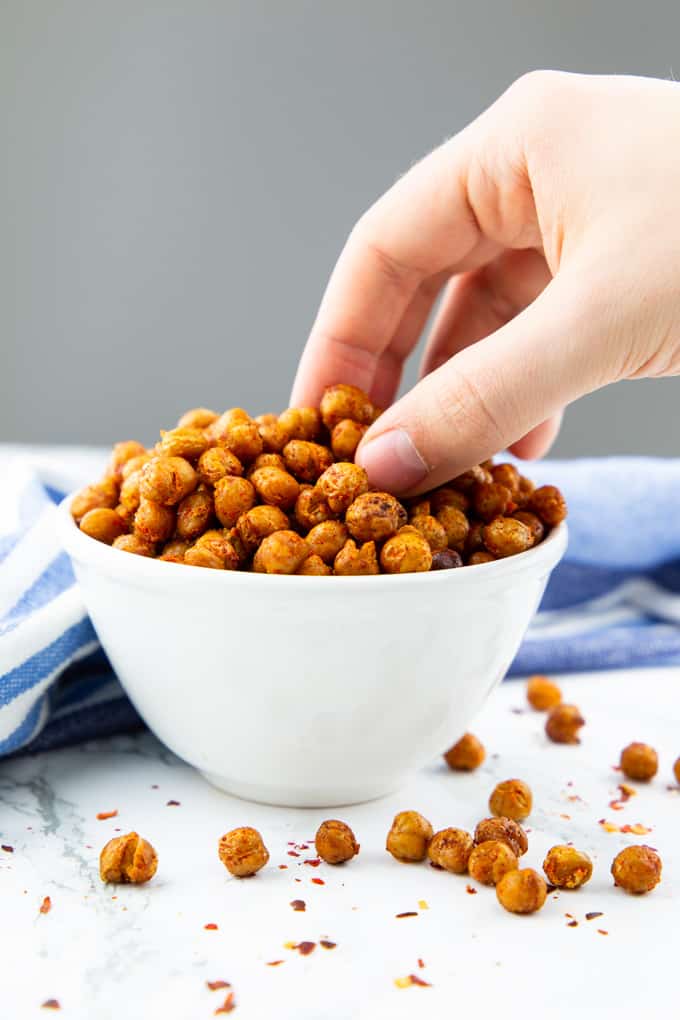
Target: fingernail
392, 461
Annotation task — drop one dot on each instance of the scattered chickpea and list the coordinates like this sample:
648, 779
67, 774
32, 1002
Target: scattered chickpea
522, 891
280, 553
563, 724
490, 860
243, 852
450, 849
637, 869
676, 770
335, 842
542, 693
128, 859
511, 799
639, 761
504, 830
567, 868
465, 755
409, 836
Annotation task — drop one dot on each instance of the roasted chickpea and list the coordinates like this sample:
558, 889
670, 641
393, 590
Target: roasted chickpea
273, 435
174, 550
217, 463
280, 553
307, 461
474, 541
505, 830
134, 544
456, 526
186, 442
465, 755
126, 859
301, 422
335, 842
432, 531
351, 560
167, 480
505, 536
121, 454
490, 860
407, 552
418, 506
639, 761
103, 496
477, 475
490, 500
481, 556
511, 799
197, 418
343, 401
522, 891
275, 487
637, 869
218, 429
214, 551
409, 837
567, 868
314, 566
242, 851
533, 523
542, 693
327, 539
129, 492
125, 515
239, 546
523, 494
154, 522
194, 514
374, 516
267, 460
450, 849
446, 559
233, 497
447, 496
345, 438
134, 464
507, 475
563, 724
256, 524
266, 419
548, 502
311, 508
103, 524
341, 484
242, 439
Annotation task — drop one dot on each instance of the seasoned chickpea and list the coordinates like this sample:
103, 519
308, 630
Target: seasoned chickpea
327, 539
273, 435
218, 429
345, 438
335, 842
103, 496
134, 464
446, 559
301, 422
194, 514
490, 860
217, 463
126, 859
507, 475
421, 505
307, 461
256, 524
134, 544
266, 419
352, 560
567, 868
121, 454
676, 770
311, 508
511, 799
214, 551
242, 851
239, 546
533, 523
447, 496
474, 541
154, 522
343, 401
465, 755
275, 487
129, 492
103, 524
186, 442
506, 537
523, 494
456, 526
477, 475
242, 439
548, 502
314, 566
267, 460
197, 418
280, 553
174, 550
637, 869
450, 849
432, 531
407, 552
167, 480
491, 500
542, 693
374, 516
233, 497
522, 891
409, 837
563, 724
341, 484
481, 556
505, 830
639, 761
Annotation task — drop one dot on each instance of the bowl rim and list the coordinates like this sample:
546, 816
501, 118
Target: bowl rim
127, 567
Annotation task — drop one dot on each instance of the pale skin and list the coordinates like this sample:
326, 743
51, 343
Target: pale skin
552, 225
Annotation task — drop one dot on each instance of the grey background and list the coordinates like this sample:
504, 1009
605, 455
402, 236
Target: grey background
177, 179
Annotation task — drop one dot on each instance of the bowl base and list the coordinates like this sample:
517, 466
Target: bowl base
301, 797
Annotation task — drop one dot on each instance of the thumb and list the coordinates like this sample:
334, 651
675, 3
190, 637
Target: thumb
493, 393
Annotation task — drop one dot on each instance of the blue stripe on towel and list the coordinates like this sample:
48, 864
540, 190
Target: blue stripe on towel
53, 581
47, 661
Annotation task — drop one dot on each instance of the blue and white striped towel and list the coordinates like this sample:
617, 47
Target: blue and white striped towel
613, 602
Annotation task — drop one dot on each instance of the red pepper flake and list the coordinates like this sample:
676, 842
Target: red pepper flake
7, 848
282, 867
51, 1004
438, 867
297, 879
292, 853
275, 963
318, 881
411, 979
228, 1006
574, 797
421, 963
408, 913
568, 817
601, 931
572, 924
215, 986
173, 803
305, 948
46, 905
298, 905
313, 862
303, 846
471, 890
327, 944
210, 927
568, 915
636, 830
592, 914
103, 815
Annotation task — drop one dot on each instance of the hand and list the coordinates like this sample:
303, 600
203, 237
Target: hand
553, 222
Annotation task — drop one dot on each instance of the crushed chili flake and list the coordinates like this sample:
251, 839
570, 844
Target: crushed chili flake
210, 927
572, 924
421, 963
275, 963
282, 867
228, 1006
601, 931
305, 948
173, 803
574, 798
438, 867
568, 817
298, 905
408, 913
592, 914
471, 889
292, 853
46, 905
327, 944
7, 848
423, 904
103, 815
636, 830
215, 986
51, 1004
313, 862
411, 979
303, 846
318, 881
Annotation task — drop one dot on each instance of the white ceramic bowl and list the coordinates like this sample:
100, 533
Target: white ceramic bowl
307, 691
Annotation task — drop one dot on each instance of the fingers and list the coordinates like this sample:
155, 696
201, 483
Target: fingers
538, 441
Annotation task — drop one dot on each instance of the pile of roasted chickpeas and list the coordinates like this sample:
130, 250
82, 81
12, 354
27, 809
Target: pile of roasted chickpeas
282, 495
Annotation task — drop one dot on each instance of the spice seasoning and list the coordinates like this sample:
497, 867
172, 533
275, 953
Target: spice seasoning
298, 905
46, 905
215, 986
103, 815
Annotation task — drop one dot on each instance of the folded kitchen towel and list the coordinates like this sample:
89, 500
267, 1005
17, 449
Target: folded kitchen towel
613, 602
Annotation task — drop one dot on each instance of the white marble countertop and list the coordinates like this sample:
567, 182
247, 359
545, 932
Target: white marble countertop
105, 952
